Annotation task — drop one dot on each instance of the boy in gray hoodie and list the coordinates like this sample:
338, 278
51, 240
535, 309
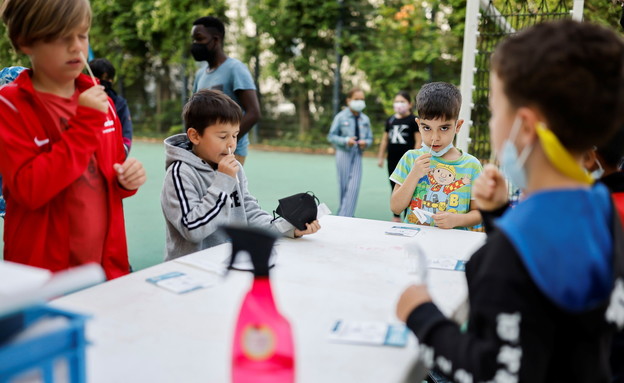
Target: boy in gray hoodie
205, 187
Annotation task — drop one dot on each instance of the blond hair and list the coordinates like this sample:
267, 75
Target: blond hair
29, 21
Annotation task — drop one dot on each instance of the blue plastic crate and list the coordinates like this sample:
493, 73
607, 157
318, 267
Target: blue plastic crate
62, 349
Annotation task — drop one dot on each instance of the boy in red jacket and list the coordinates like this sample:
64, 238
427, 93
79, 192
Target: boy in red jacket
62, 158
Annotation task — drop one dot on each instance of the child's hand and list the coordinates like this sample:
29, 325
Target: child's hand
228, 165
445, 220
311, 228
362, 144
351, 141
131, 174
94, 98
421, 165
412, 297
380, 162
490, 189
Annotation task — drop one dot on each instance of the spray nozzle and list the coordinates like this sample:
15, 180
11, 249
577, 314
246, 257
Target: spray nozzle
258, 243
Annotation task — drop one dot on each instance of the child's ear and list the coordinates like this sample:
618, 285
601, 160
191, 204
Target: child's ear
528, 131
459, 125
193, 135
589, 160
25, 49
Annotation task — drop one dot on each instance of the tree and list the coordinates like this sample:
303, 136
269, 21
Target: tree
413, 42
300, 35
148, 42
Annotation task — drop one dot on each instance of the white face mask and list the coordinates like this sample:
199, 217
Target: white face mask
401, 108
598, 173
357, 105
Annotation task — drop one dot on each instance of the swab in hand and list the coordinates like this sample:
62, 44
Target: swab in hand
230, 151
84, 60
86, 63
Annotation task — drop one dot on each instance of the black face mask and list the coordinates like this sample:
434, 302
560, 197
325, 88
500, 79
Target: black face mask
298, 209
201, 52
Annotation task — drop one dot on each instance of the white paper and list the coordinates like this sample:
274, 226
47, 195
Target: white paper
16, 278
181, 283
403, 231
446, 264
368, 333
58, 284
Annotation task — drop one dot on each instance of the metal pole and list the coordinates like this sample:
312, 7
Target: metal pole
337, 76
467, 74
577, 10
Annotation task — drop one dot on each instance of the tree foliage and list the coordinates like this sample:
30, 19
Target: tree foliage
299, 35
413, 42
391, 45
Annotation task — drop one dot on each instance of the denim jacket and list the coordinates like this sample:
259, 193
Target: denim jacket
343, 127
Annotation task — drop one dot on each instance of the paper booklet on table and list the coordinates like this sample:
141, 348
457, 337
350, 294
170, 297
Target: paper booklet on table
403, 230
180, 283
369, 333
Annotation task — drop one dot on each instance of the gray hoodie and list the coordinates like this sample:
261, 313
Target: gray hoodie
196, 200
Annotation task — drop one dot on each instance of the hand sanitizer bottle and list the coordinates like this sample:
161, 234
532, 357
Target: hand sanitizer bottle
263, 349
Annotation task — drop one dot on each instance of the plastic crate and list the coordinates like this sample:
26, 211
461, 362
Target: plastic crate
52, 357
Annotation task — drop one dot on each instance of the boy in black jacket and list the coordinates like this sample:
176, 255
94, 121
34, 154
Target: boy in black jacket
605, 164
546, 291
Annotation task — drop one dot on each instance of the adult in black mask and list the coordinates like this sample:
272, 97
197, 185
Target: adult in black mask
225, 74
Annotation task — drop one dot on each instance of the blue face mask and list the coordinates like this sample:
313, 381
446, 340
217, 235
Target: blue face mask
512, 165
439, 153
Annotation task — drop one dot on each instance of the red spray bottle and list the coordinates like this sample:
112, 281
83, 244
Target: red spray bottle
263, 349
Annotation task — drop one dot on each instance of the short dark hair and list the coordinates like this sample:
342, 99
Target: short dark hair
572, 72
438, 100
208, 107
212, 23
101, 66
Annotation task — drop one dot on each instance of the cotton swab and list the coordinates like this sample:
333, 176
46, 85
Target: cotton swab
84, 60
230, 151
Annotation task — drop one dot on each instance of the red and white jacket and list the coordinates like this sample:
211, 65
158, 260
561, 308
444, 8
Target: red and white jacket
38, 163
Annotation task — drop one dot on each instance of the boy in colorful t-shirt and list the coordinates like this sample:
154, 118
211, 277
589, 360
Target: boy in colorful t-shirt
434, 183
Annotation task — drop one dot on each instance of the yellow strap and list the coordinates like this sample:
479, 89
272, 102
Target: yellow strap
560, 157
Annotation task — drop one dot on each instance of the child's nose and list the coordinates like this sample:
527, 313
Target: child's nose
74, 43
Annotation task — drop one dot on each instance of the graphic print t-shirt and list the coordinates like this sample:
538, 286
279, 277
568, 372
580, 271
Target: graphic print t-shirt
446, 187
401, 135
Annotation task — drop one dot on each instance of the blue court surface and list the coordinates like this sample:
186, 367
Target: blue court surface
272, 175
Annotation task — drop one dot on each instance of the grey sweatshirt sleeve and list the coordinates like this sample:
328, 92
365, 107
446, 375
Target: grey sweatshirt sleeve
196, 215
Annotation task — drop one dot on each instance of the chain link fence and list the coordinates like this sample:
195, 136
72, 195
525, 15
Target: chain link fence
495, 23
